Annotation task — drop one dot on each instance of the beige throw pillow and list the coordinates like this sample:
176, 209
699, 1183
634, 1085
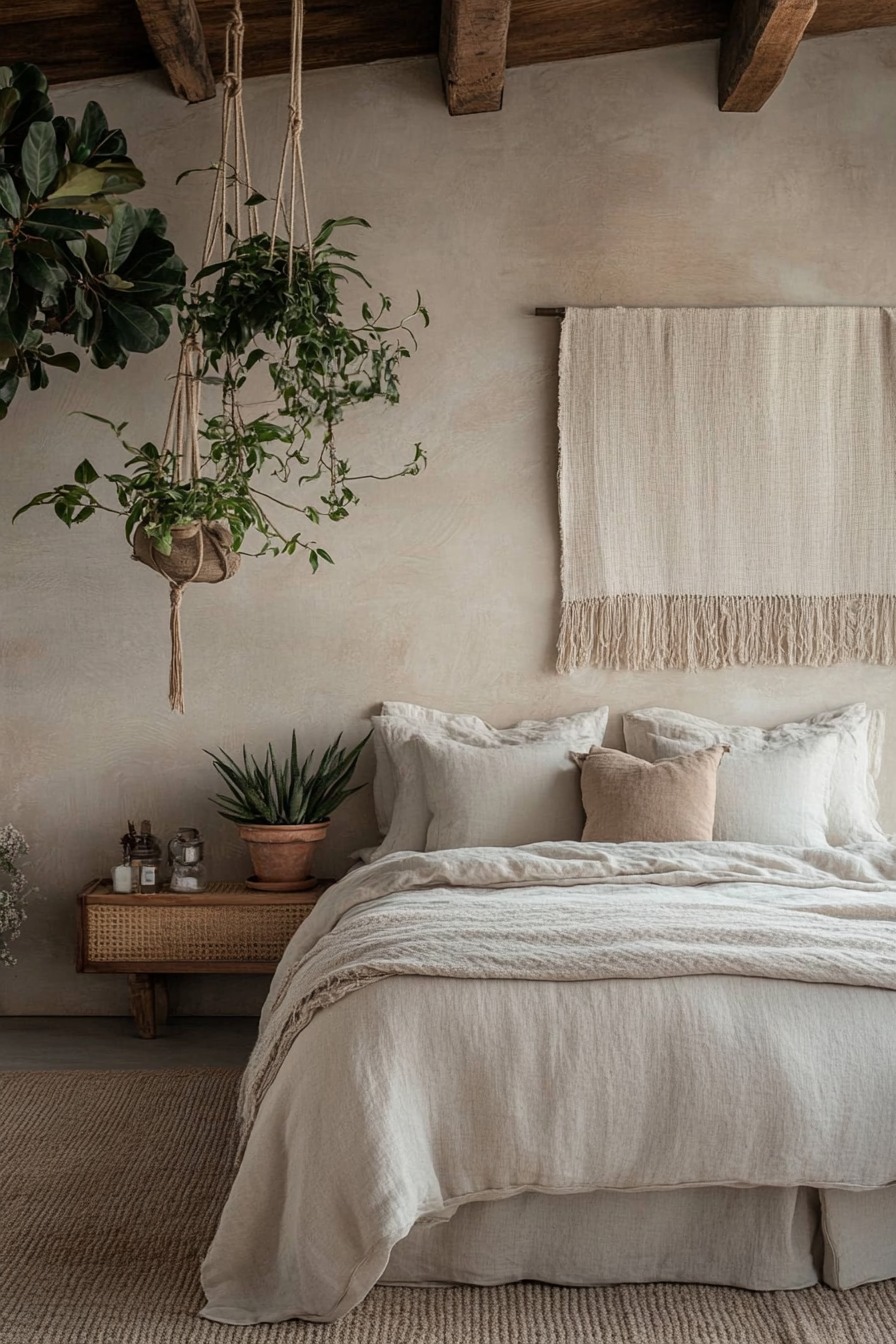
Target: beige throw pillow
629, 799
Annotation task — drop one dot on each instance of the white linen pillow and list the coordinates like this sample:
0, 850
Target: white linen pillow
384, 782
399, 792
853, 805
778, 797
514, 795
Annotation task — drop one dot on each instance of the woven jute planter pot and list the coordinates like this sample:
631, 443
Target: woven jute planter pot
284, 854
200, 553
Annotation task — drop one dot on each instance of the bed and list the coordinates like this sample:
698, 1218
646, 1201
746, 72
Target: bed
573, 1062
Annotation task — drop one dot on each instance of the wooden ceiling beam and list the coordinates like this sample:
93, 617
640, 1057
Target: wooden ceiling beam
757, 47
107, 37
175, 34
473, 54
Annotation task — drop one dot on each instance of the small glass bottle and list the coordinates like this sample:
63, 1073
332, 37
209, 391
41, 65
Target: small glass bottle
187, 866
146, 858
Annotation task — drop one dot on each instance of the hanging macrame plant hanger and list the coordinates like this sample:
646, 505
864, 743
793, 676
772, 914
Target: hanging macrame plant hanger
201, 551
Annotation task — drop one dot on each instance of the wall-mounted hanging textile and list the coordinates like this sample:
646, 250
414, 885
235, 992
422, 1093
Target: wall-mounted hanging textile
727, 486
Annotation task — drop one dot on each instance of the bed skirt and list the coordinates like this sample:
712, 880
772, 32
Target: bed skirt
759, 1238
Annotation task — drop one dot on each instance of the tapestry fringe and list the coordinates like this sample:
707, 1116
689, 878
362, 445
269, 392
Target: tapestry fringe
634, 631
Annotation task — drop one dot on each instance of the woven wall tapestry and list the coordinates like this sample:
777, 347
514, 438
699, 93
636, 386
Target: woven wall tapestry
727, 486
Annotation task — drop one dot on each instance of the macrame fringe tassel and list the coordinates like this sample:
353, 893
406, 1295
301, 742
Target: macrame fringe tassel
176, 671
635, 631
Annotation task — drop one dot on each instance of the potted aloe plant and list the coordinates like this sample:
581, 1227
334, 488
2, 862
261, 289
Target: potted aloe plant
283, 811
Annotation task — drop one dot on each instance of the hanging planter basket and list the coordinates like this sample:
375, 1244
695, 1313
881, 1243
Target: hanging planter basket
200, 553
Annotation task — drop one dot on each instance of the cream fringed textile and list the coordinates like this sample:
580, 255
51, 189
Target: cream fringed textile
727, 486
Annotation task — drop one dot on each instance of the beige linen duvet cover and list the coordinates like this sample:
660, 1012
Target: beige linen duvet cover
672, 1016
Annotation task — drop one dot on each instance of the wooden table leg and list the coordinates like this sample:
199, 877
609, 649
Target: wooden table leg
162, 1000
143, 1005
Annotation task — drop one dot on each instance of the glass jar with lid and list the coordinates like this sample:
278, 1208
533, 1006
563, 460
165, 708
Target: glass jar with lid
187, 866
146, 858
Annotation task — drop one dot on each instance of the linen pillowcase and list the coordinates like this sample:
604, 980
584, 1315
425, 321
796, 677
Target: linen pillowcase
385, 784
399, 792
778, 797
629, 799
853, 804
513, 795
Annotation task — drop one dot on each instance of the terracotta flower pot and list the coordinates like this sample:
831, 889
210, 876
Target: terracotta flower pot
284, 854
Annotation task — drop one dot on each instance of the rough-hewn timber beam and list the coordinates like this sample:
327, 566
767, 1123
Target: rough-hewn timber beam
758, 45
175, 34
473, 54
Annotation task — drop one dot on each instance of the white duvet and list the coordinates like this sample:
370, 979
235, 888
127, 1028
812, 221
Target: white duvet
471, 1024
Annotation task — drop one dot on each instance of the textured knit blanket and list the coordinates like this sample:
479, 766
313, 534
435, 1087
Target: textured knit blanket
472, 1023
506, 919
727, 486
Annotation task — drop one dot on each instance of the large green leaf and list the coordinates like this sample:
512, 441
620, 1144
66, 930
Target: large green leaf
9, 196
106, 352
82, 306
8, 384
122, 234
66, 359
67, 219
44, 276
120, 175
77, 182
94, 127
137, 330
9, 101
40, 162
26, 76
33, 105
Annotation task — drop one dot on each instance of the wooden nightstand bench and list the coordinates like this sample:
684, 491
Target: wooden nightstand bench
228, 929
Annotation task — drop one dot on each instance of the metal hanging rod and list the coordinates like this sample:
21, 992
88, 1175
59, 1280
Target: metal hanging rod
550, 312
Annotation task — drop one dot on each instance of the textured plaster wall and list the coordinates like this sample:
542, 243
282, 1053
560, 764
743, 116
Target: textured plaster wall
604, 181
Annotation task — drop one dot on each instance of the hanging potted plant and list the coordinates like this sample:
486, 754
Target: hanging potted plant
283, 811
280, 305
267, 300
75, 260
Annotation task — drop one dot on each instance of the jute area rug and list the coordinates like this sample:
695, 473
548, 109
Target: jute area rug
110, 1185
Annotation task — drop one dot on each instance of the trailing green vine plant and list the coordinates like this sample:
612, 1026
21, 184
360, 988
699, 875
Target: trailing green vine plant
285, 312
75, 260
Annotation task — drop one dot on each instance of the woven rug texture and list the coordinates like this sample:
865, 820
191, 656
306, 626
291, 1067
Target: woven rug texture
110, 1187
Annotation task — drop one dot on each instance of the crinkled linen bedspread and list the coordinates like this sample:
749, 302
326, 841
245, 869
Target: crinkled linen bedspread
471, 1024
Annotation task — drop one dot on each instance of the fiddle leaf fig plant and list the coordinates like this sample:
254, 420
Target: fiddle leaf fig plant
75, 260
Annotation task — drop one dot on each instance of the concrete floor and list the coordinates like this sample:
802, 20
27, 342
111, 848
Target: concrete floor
113, 1043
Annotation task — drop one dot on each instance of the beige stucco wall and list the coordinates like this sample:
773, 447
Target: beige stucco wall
604, 181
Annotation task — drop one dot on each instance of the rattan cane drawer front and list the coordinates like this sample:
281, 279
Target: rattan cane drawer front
183, 933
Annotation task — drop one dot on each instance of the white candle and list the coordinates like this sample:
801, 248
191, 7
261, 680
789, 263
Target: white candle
123, 878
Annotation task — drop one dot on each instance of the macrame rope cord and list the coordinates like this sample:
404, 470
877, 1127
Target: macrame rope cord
229, 218
181, 442
291, 157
